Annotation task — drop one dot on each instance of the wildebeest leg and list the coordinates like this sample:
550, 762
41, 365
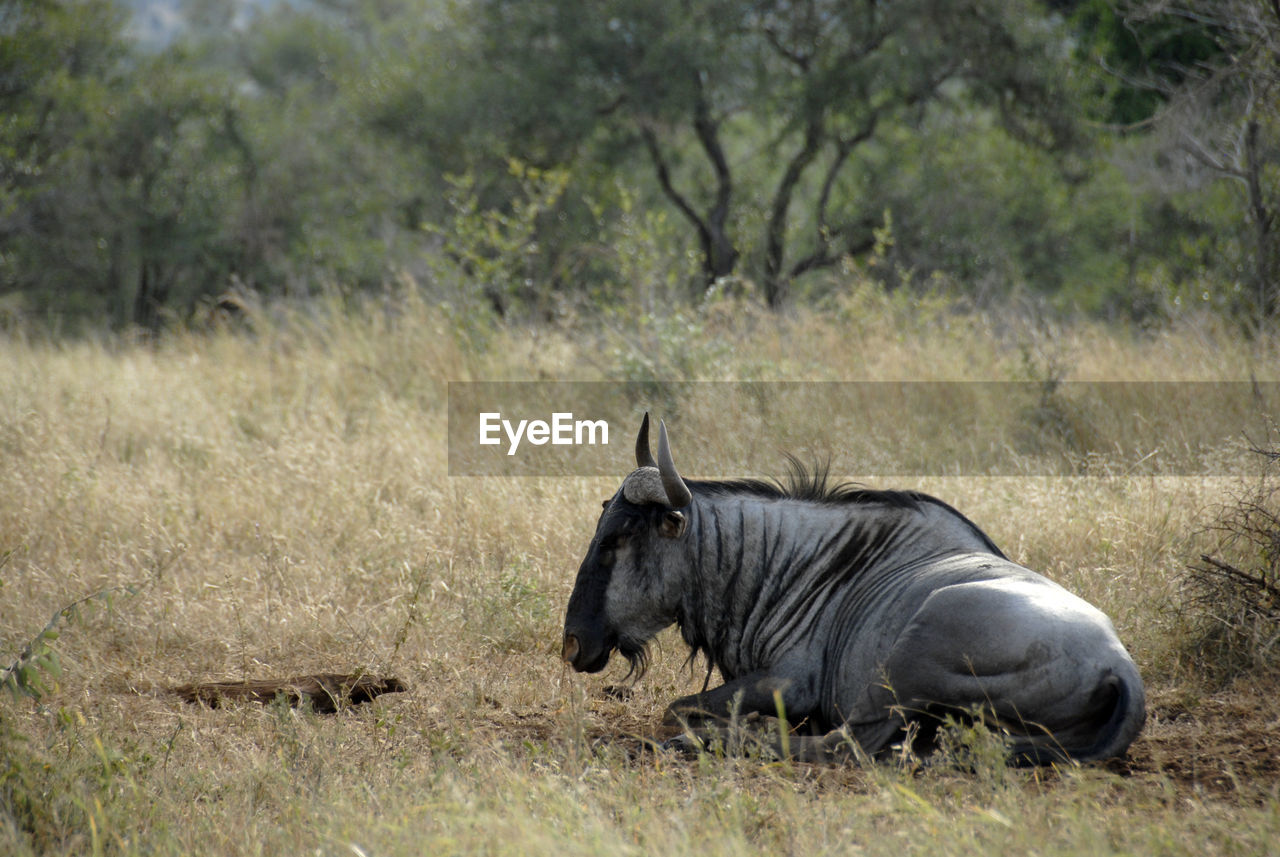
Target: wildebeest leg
842, 745
755, 693
704, 716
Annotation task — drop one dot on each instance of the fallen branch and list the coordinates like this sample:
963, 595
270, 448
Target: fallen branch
326, 692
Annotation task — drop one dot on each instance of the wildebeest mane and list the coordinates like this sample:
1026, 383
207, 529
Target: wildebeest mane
814, 485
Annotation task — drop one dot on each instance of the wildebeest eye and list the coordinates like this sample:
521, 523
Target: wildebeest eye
673, 524
611, 543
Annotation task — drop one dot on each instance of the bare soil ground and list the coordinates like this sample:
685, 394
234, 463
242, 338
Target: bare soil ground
1225, 743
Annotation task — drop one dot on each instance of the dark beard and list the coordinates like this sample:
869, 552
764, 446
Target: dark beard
637, 655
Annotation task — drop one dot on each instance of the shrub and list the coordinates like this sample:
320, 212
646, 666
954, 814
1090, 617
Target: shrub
1232, 594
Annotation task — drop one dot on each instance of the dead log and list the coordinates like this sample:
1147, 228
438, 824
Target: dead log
326, 692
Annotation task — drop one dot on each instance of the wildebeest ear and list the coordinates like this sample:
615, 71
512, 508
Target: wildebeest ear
605, 504
673, 524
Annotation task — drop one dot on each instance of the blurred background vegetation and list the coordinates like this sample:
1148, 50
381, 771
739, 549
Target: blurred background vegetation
529, 158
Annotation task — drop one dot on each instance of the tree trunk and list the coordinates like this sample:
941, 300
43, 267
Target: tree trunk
152, 295
721, 257
1265, 251
777, 285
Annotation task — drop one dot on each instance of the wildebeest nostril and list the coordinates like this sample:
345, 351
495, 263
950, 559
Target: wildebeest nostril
571, 648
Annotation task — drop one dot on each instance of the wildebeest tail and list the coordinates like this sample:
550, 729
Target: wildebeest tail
1121, 712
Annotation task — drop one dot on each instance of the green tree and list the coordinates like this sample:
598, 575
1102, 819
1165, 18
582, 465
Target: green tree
1225, 116
749, 113
58, 59
116, 166
1198, 81
1137, 59
162, 174
345, 114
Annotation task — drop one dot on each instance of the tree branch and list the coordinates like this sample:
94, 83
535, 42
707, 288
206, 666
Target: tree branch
1229, 571
799, 60
775, 235
613, 106
844, 148
1197, 149
708, 132
664, 180
865, 48
821, 256
722, 256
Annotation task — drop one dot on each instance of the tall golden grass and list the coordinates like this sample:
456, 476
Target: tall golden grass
275, 500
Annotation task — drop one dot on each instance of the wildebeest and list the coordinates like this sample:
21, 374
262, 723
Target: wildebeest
871, 614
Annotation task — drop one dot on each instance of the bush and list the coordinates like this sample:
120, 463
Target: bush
1232, 594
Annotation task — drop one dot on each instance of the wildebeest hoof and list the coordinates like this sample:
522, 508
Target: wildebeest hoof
686, 745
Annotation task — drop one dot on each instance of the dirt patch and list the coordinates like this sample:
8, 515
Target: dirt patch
1226, 743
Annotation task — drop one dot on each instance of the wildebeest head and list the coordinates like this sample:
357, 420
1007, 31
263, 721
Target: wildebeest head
628, 585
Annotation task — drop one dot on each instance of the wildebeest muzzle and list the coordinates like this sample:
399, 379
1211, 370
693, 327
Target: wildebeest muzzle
587, 652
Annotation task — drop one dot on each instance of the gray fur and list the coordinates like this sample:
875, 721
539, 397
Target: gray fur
644, 487
866, 611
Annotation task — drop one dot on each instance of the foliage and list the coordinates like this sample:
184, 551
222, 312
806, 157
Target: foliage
1115, 158
73, 793
39, 661
1140, 58
495, 251
1201, 76
802, 88
1233, 591
52, 55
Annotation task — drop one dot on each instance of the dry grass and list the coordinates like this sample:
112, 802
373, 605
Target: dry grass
276, 504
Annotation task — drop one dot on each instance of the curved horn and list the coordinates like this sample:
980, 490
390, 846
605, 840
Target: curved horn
644, 458
678, 494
